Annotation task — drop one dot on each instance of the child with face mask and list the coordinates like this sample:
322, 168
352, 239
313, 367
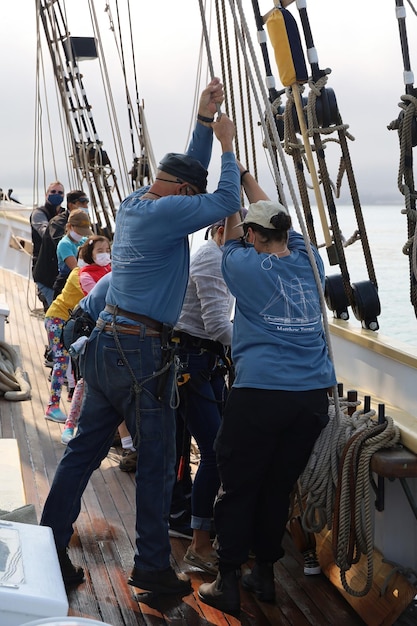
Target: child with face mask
96, 256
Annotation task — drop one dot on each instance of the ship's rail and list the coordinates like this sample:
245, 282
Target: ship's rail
382, 368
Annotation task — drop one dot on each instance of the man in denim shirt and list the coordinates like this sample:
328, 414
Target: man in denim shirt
127, 373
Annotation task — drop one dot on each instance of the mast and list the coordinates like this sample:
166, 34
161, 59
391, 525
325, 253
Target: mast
91, 164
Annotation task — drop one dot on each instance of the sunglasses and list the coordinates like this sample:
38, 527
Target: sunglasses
82, 200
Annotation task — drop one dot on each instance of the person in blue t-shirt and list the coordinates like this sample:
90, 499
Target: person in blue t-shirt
77, 229
129, 359
278, 404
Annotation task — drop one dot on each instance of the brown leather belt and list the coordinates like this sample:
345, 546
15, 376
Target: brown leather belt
143, 319
126, 329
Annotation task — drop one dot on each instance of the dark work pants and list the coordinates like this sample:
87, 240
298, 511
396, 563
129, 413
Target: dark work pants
264, 442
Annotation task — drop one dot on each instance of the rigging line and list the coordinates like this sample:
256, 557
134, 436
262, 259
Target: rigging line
123, 64
134, 123
49, 123
197, 91
251, 126
287, 175
412, 7
150, 153
246, 112
137, 124
72, 80
244, 49
115, 129
37, 145
230, 82
141, 137
64, 84
401, 18
208, 50
219, 23
270, 80
40, 57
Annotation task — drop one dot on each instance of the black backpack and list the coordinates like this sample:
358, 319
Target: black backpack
79, 324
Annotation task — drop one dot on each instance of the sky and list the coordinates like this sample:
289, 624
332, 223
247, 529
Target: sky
359, 42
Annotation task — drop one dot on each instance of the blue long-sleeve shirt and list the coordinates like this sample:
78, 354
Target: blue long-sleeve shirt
278, 337
150, 252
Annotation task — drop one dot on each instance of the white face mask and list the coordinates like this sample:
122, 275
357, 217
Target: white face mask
102, 258
75, 236
81, 263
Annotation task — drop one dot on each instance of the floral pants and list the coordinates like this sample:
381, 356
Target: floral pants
53, 327
76, 402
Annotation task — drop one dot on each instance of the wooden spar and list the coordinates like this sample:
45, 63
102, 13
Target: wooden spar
309, 154
283, 33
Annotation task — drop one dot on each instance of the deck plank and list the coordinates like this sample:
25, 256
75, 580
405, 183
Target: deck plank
103, 541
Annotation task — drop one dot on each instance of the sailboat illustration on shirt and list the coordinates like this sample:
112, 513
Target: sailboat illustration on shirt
292, 307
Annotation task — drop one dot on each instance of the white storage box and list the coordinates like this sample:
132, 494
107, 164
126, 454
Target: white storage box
31, 585
66, 621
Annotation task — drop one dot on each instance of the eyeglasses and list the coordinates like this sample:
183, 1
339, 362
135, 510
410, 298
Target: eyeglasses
61, 193
82, 200
177, 181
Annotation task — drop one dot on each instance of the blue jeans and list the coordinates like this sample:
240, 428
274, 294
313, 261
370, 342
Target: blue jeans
110, 397
46, 292
201, 401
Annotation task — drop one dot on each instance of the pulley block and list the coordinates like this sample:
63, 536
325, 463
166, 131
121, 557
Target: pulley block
327, 111
366, 306
335, 296
280, 122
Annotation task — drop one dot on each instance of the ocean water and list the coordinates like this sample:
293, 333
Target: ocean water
386, 229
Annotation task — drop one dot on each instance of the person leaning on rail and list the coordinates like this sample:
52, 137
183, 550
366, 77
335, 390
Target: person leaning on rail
276, 411
128, 363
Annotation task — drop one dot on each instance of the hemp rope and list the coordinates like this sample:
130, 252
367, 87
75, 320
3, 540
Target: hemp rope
337, 484
13, 384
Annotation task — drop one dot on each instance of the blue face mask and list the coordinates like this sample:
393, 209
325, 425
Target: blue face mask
55, 199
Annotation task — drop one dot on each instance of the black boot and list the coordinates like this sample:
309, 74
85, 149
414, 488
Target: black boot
223, 594
71, 574
261, 582
160, 581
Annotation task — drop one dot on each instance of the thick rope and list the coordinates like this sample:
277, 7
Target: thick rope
338, 488
404, 125
13, 384
353, 524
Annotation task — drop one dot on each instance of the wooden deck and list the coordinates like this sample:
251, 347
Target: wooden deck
104, 538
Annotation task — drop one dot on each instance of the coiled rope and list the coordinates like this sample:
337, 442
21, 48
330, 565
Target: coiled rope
13, 384
337, 486
406, 184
